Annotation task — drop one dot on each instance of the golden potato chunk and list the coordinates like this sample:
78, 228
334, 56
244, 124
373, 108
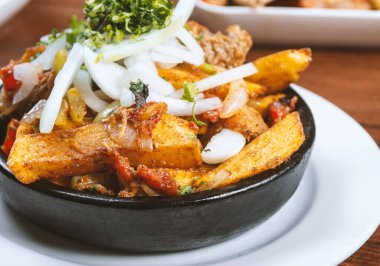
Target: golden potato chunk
277, 71
248, 122
83, 150
269, 150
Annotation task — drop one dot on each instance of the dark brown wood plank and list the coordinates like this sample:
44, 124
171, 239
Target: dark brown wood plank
348, 78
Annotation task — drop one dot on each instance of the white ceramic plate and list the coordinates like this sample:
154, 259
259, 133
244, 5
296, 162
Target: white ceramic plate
296, 26
9, 7
334, 211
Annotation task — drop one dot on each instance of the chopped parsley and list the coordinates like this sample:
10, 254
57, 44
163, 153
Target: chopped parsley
115, 19
110, 21
141, 92
186, 190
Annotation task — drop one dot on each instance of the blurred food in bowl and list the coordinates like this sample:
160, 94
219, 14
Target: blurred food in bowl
329, 4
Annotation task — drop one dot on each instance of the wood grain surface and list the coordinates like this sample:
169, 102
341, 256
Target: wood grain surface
348, 78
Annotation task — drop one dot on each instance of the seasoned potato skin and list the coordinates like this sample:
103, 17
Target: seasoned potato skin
83, 150
269, 150
278, 70
248, 122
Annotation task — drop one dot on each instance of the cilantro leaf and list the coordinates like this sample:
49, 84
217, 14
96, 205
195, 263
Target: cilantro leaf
196, 121
141, 92
190, 91
185, 190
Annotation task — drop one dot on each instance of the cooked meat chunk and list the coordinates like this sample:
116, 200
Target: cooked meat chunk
227, 50
338, 4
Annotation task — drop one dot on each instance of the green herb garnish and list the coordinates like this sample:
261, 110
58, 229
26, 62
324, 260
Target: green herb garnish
110, 21
196, 121
141, 92
117, 18
185, 190
190, 90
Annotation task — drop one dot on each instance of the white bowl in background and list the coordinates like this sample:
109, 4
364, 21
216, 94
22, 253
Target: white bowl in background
10, 7
297, 26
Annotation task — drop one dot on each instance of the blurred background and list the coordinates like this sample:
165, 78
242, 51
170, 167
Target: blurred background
348, 77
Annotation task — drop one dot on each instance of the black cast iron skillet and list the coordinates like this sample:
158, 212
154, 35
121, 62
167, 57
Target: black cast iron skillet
160, 224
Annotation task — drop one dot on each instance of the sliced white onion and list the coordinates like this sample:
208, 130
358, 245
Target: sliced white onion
45, 39
184, 9
34, 113
103, 96
164, 61
106, 75
180, 53
127, 98
46, 59
150, 192
82, 82
27, 73
222, 78
167, 65
62, 83
140, 58
237, 97
123, 134
144, 43
223, 146
161, 58
153, 80
188, 40
184, 108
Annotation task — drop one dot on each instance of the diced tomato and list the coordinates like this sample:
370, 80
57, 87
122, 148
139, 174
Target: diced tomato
158, 180
193, 126
281, 108
212, 116
10, 137
11, 85
121, 165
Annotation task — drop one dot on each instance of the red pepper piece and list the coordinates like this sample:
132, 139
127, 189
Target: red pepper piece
10, 137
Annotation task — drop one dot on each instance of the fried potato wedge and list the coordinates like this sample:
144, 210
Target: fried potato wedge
83, 150
269, 150
277, 71
255, 90
248, 122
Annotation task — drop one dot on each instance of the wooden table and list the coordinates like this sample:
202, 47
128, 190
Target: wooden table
348, 78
